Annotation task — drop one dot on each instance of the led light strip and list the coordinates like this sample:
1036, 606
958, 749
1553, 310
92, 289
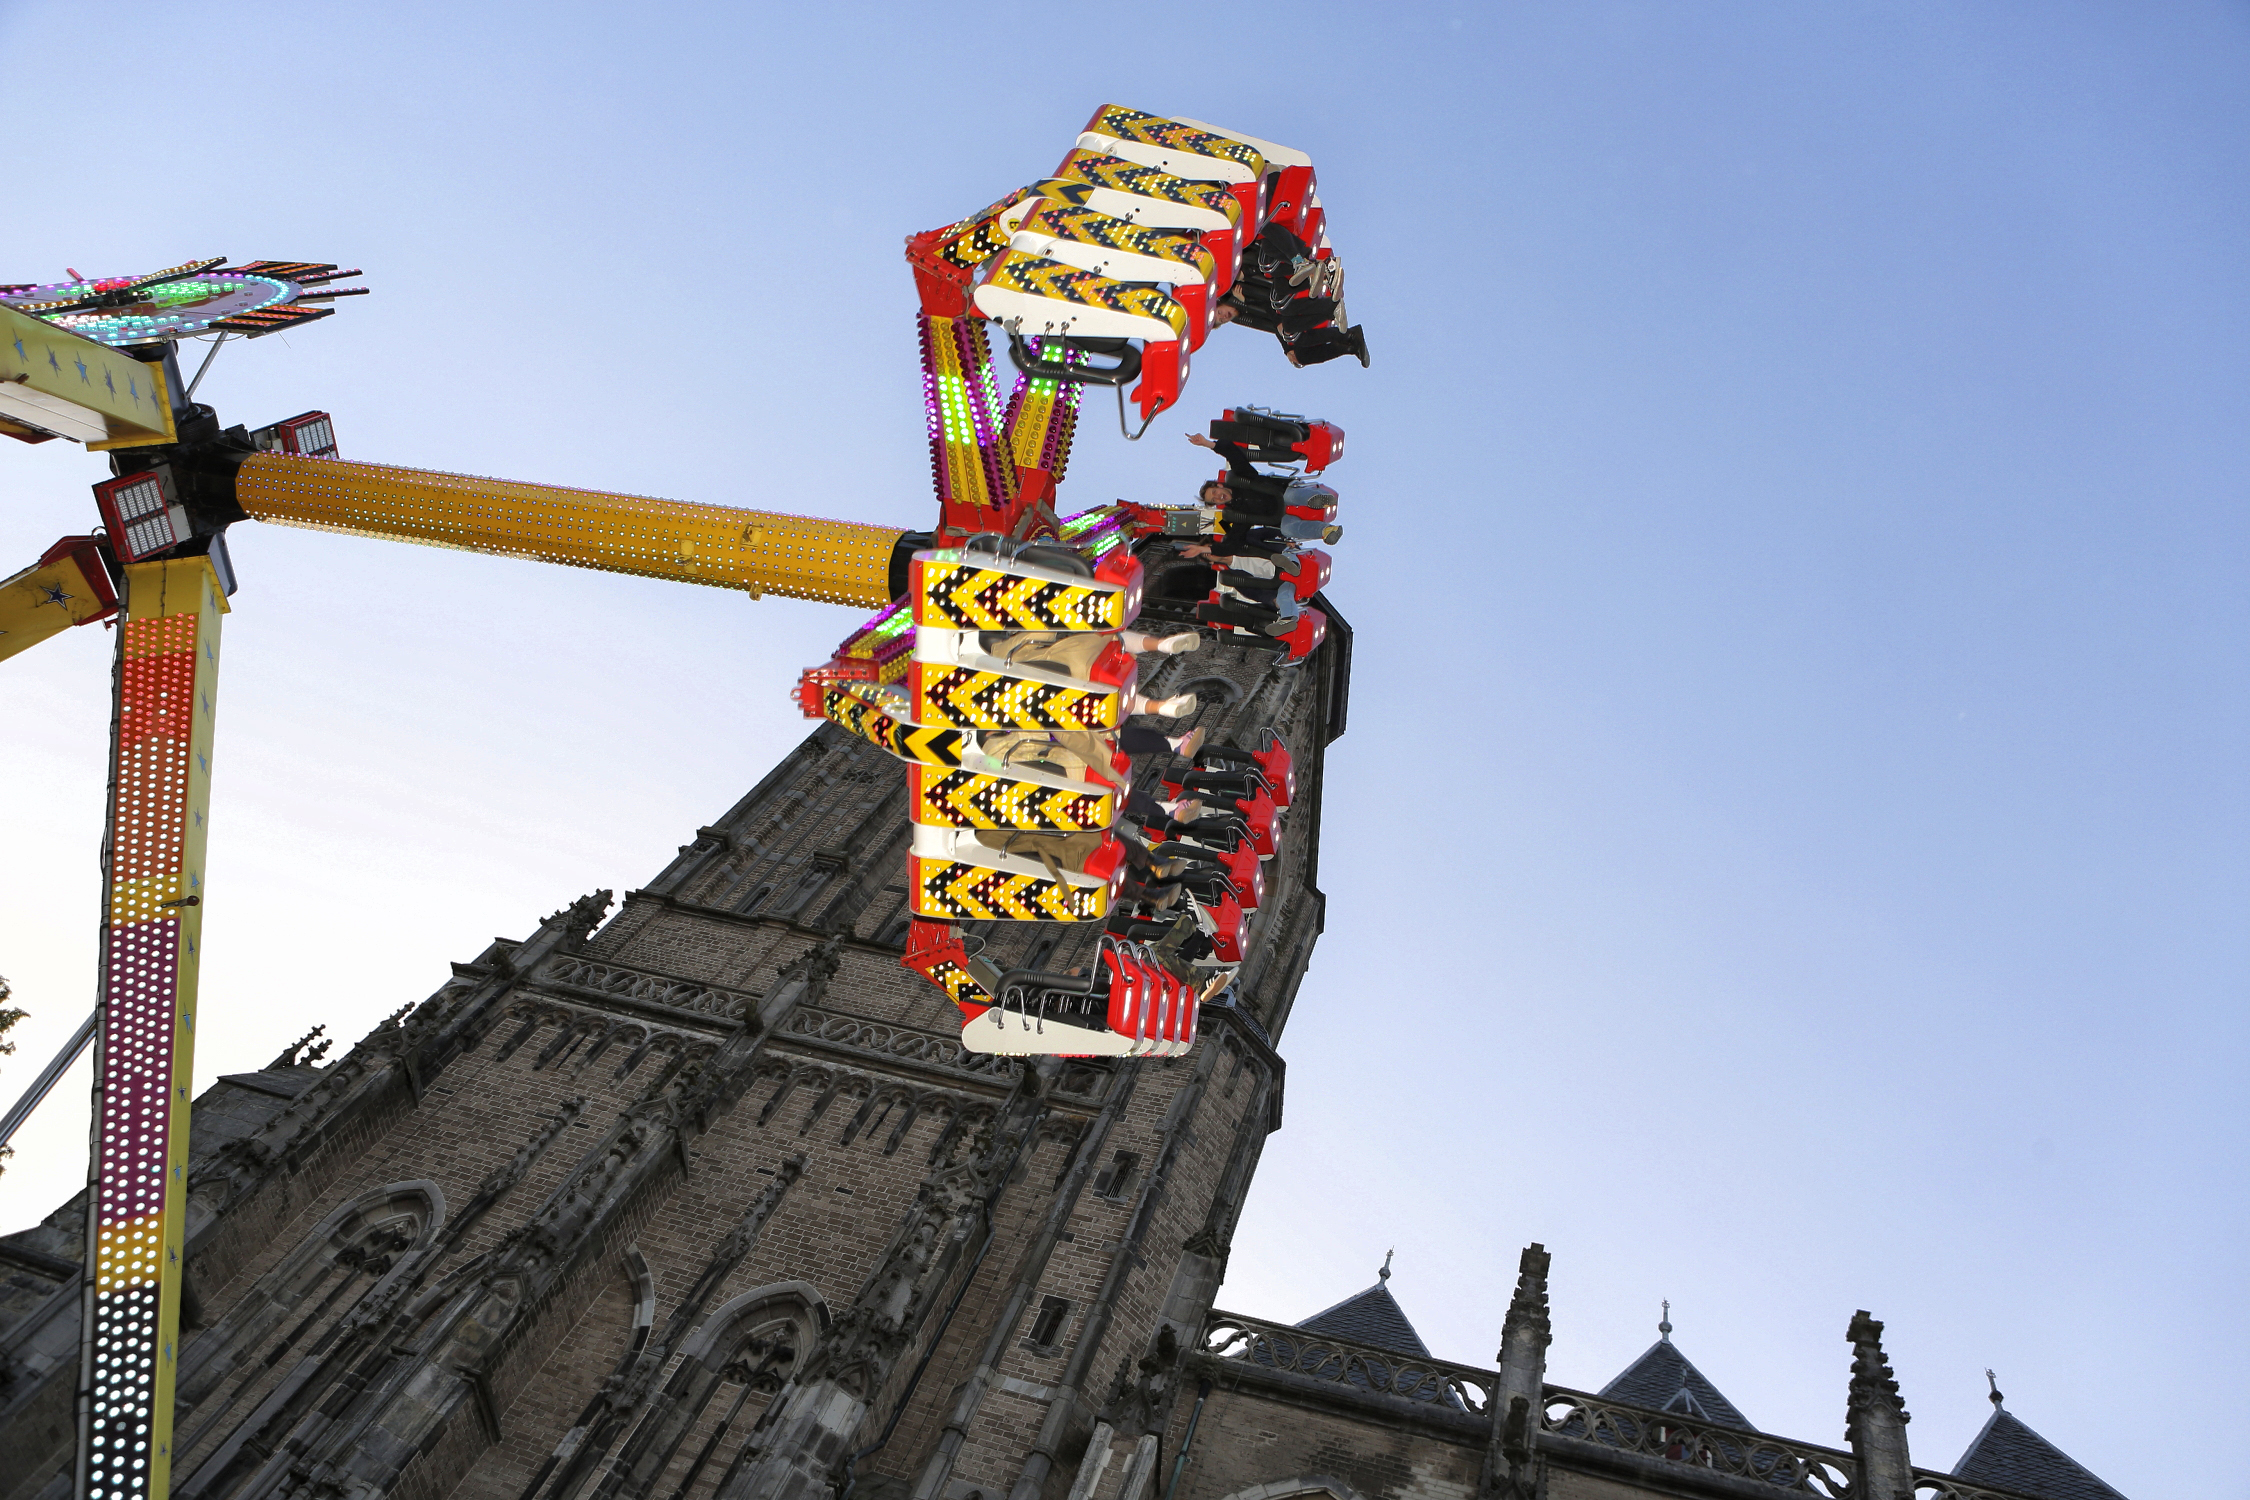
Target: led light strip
968, 457
167, 671
1043, 414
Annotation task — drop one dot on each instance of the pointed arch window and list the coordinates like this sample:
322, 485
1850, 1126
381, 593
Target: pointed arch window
354, 1249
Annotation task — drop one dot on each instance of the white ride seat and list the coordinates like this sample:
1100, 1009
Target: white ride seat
1032, 295
1115, 670
1275, 155
960, 846
1141, 194
1116, 248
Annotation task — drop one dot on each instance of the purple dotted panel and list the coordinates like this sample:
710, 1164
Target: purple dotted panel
135, 1137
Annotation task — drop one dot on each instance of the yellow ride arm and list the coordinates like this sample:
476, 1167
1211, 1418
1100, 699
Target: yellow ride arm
759, 552
66, 587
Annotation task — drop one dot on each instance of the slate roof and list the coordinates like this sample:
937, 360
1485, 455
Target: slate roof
236, 1106
2010, 1456
1373, 1318
1664, 1380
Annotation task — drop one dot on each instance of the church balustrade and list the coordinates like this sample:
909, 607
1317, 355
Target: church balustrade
1785, 1465
1567, 1416
1804, 1468
886, 1040
607, 981
1292, 1351
1933, 1486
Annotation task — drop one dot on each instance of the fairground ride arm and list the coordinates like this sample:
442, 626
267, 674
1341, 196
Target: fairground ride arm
759, 552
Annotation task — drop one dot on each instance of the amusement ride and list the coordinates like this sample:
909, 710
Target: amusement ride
1001, 663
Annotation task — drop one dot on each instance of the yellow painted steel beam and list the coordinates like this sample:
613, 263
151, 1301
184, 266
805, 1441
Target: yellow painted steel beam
759, 552
137, 1198
55, 382
49, 597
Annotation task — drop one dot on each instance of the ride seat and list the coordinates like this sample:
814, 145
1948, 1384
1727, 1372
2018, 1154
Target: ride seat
1030, 294
963, 588
1175, 146
1308, 572
1272, 759
1112, 247
1146, 195
973, 799
1130, 1006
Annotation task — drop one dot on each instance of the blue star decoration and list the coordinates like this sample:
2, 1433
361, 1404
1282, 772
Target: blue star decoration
53, 363
20, 354
83, 377
53, 593
110, 379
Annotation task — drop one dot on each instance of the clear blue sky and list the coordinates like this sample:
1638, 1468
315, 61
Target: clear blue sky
1789, 853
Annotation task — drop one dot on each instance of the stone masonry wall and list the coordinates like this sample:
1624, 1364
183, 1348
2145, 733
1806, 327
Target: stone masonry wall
1248, 1438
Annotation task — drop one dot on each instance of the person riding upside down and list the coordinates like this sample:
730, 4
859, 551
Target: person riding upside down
1082, 754
1251, 593
1310, 324
1246, 497
1072, 652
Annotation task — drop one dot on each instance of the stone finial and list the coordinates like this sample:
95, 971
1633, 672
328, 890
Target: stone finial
1385, 1273
582, 914
1874, 1387
1520, 1392
1994, 1381
1526, 1333
1875, 1416
1664, 1324
288, 1058
816, 965
1527, 1310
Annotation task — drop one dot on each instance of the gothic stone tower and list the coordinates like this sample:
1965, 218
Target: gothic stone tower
707, 1200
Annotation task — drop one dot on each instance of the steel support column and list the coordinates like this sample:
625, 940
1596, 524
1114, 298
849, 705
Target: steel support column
152, 929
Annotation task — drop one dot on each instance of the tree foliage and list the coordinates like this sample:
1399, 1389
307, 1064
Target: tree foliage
9, 1015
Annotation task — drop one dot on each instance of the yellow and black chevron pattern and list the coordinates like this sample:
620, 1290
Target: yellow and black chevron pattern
1155, 130
1065, 190
971, 799
970, 699
959, 984
1147, 182
924, 744
978, 238
1018, 272
964, 596
972, 893
1086, 226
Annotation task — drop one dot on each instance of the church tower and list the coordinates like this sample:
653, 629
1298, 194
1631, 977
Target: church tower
702, 1197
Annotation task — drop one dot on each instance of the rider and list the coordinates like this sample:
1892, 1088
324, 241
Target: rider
1080, 753
1312, 327
1072, 652
1247, 497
